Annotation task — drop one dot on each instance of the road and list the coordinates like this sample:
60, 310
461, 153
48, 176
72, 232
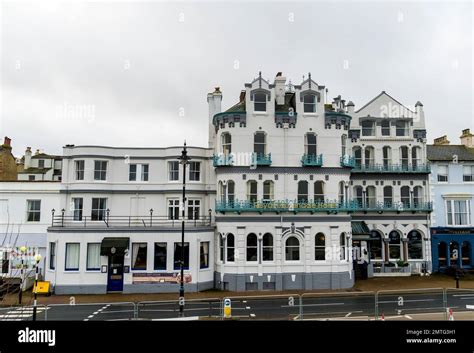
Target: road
341, 306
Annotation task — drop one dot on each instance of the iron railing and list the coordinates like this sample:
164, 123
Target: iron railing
391, 168
262, 159
223, 160
312, 160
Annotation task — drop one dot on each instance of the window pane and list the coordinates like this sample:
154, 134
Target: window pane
93, 256
177, 256
72, 256
160, 256
204, 255
139, 254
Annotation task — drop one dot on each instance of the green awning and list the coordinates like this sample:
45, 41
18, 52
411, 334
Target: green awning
114, 246
359, 228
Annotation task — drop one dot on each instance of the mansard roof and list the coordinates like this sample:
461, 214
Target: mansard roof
447, 153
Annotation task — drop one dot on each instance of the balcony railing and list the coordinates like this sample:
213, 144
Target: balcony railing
347, 161
319, 206
312, 160
391, 168
223, 160
108, 221
262, 159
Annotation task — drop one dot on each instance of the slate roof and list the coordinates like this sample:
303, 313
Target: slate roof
34, 171
44, 155
359, 228
239, 107
447, 152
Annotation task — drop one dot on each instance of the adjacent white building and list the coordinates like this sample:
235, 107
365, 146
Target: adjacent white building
291, 193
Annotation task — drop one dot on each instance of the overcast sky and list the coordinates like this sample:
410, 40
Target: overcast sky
137, 73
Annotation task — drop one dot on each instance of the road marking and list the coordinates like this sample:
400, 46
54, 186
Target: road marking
408, 317
247, 307
470, 307
409, 301
86, 319
348, 314
90, 316
252, 315
463, 295
294, 306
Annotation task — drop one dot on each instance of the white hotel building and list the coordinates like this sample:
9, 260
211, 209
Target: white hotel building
286, 187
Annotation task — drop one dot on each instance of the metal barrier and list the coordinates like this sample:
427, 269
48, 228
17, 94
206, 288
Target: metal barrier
268, 307
413, 304
338, 305
169, 309
91, 311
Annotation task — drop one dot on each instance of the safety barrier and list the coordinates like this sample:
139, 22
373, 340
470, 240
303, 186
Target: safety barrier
415, 304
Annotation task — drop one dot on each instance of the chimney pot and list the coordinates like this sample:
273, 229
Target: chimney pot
242, 96
7, 141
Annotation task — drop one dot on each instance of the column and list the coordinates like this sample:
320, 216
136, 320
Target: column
405, 249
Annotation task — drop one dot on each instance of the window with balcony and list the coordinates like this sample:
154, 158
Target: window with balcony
370, 196
303, 191
319, 191
194, 208
259, 143
358, 193
343, 145
230, 191
387, 156
416, 156
252, 191
404, 157
417, 196
368, 128
311, 144
226, 140
173, 209
268, 190
405, 196
458, 212
369, 156
468, 173
309, 103
77, 204
386, 128
443, 173
388, 196
341, 192
357, 151
99, 209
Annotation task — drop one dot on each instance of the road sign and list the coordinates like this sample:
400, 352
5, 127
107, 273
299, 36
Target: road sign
227, 308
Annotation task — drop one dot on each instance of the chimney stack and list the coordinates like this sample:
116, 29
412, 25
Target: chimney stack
280, 89
7, 142
214, 100
443, 140
242, 96
467, 138
27, 158
350, 108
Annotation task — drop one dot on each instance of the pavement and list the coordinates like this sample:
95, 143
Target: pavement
394, 301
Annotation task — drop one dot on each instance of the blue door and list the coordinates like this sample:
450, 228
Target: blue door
115, 274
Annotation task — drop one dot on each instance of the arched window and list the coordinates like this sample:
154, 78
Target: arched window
369, 156
342, 243
252, 247
230, 247
466, 253
357, 151
292, 249
226, 140
388, 196
370, 196
230, 191
387, 156
221, 248
405, 196
267, 247
259, 143
311, 146
358, 194
320, 247
252, 191
319, 191
404, 157
303, 191
415, 157
442, 250
454, 252
341, 192
415, 245
268, 190
376, 246
309, 102
394, 245
343, 145
417, 195
260, 102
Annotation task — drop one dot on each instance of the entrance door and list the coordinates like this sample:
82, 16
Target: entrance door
115, 274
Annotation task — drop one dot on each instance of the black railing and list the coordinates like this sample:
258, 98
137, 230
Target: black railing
110, 221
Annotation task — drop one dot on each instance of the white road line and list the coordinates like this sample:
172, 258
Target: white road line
86, 319
408, 317
14, 315
463, 295
296, 306
348, 314
90, 316
408, 301
247, 307
252, 315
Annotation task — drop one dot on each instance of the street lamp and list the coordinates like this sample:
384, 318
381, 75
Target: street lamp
184, 160
37, 259
22, 255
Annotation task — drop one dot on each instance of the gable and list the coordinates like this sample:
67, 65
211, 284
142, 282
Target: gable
384, 106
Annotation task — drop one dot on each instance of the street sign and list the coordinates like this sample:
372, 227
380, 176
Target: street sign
227, 308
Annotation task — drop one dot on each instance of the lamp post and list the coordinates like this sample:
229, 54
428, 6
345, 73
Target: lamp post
184, 160
37, 259
22, 255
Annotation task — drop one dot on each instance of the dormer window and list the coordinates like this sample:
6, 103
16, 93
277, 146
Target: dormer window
309, 103
260, 102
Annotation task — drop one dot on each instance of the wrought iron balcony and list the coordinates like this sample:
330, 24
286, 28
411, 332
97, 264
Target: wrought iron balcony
312, 160
347, 161
262, 159
296, 206
223, 160
392, 168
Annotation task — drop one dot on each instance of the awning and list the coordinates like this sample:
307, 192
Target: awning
359, 228
114, 246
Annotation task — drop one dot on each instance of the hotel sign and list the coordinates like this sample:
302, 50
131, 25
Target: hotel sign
149, 278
